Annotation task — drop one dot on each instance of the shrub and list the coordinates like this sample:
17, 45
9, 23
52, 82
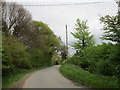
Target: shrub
39, 58
100, 59
14, 55
7, 65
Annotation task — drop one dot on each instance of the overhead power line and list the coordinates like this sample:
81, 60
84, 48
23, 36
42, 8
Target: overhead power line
60, 4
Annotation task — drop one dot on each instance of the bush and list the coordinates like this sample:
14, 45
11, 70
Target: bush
14, 55
100, 59
39, 58
7, 65
105, 68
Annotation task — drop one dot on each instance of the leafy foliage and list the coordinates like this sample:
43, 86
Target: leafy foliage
26, 44
101, 59
83, 35
50, 40
111, 28
39, 58
98, 59
15, 19
14, 55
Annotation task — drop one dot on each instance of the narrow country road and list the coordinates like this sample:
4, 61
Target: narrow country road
49, 78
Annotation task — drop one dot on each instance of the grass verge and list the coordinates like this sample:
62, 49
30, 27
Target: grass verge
85, 78
10, 79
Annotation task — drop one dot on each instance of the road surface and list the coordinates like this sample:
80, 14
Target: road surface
49, 78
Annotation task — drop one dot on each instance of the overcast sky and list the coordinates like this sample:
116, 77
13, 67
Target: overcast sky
59, 16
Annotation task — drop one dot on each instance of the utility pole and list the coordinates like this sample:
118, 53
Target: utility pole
66, 43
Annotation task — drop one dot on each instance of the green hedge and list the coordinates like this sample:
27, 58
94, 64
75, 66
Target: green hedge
101, 59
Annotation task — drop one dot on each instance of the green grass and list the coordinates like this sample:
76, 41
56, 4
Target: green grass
10, 79
85, 78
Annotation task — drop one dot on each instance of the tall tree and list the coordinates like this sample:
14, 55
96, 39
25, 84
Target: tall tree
17, 21
84, 39
51, 41
111, 28
112, 32
15, 18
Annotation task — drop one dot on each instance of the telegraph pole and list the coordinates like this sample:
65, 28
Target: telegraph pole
66, 43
